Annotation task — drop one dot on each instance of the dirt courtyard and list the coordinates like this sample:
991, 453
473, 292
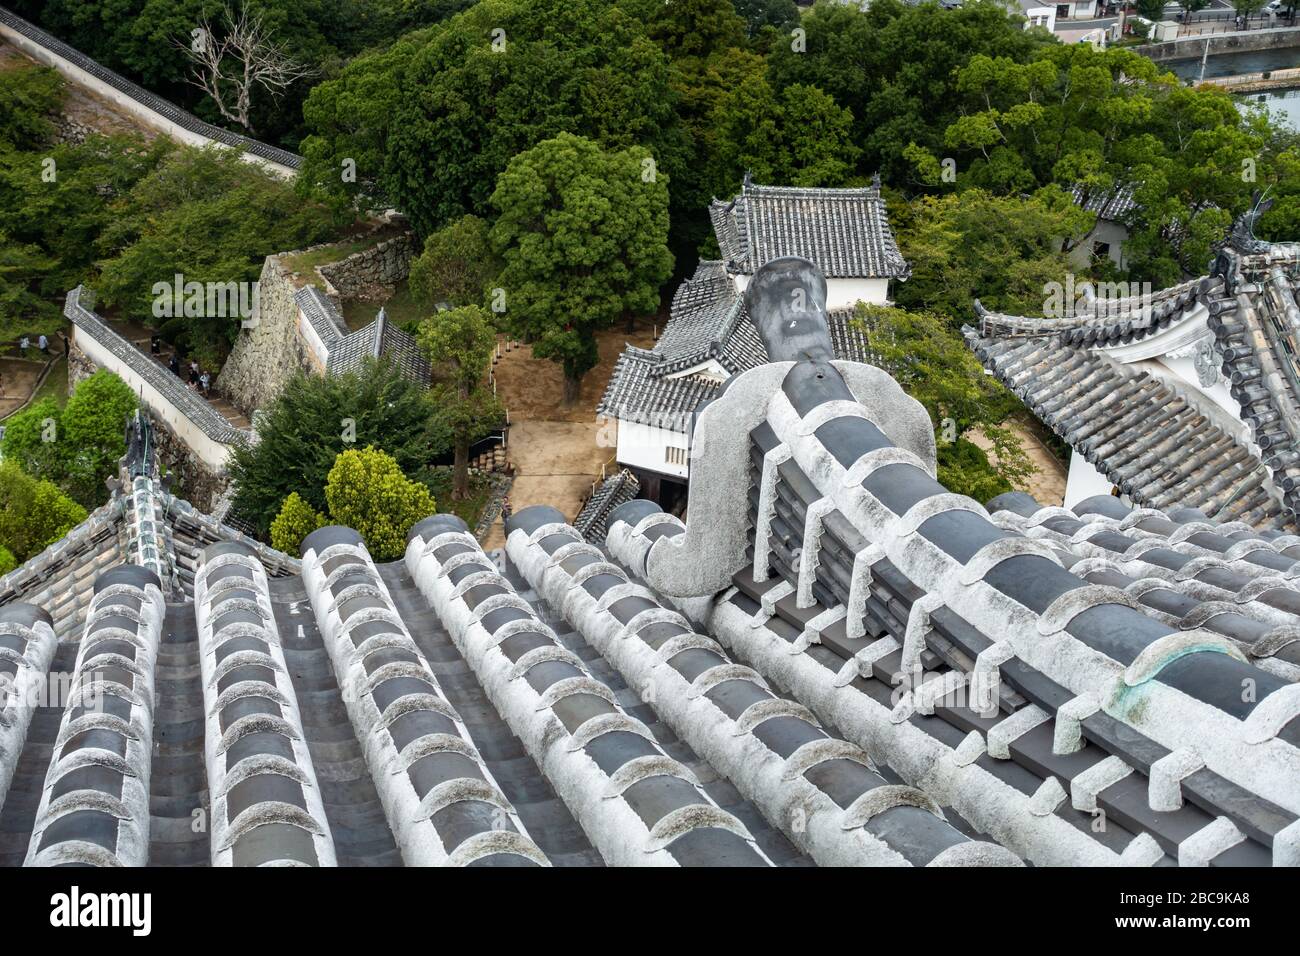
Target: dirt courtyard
17, 380
557, 450
1047, 484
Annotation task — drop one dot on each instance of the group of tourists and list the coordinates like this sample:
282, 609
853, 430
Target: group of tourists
199, 379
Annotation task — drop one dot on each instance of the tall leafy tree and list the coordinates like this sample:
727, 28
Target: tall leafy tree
797, 138
469, 94
31, 439
314, 419
892, 67
583, 232
92, 434
211, 217
459, 344
457, 264
932, 363
1004, 250
33, 513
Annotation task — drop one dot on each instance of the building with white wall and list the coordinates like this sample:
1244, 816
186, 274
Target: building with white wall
650, 403
1189, 396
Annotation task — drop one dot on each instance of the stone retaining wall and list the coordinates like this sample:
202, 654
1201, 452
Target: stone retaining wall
1242, 42
268, 354
372, 273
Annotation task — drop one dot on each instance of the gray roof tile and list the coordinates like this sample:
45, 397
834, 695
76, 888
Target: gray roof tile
845, 232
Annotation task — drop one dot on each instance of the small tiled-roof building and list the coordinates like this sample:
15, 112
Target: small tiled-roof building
654, 393
1189, 395
845, 231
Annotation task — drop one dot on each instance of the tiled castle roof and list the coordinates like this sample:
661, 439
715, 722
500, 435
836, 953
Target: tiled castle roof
1159, 444
833, 661
844, 231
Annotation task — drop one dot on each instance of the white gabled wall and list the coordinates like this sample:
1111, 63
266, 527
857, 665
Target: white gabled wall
842, 293
647, 447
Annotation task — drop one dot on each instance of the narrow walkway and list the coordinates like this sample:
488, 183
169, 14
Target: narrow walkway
228, 411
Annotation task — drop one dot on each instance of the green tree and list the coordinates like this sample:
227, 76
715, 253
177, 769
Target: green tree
1073, 115
893, 67
1191, 6
798, 138
932, 363
457, 264
454, 104
780, 15
367, 491
211, 217
33, 514
29, 98
1153, 10
31, 440
583, 233
314, 419
296, 520
459, 345
696, 28
92, 432
7, 560
1003, 250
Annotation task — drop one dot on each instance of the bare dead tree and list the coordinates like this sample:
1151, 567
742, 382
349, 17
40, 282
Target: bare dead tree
244, 58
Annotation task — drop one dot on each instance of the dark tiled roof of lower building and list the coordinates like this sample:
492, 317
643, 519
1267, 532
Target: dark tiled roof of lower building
845, 232
593, 520
380, 340
1156, 445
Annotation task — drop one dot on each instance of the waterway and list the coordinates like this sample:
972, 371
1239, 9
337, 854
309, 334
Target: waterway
1282, 105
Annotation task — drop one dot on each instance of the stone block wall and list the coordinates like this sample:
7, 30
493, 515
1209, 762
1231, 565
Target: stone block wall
374, 272
267, 355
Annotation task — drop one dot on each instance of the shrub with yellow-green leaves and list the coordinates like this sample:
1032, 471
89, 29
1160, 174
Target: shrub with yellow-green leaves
367, 491
296, 520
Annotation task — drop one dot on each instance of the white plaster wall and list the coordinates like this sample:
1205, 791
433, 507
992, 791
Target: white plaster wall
1084, 481
1104, 231
213, 454
842, 293
643, 446
315, 345
126, 104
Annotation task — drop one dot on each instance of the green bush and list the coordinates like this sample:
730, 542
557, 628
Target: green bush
296, 520
367, 492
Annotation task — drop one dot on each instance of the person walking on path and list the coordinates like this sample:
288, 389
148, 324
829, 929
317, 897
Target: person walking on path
174, 365
43, 344
24, 344
505, 509
203, 383
194, 374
